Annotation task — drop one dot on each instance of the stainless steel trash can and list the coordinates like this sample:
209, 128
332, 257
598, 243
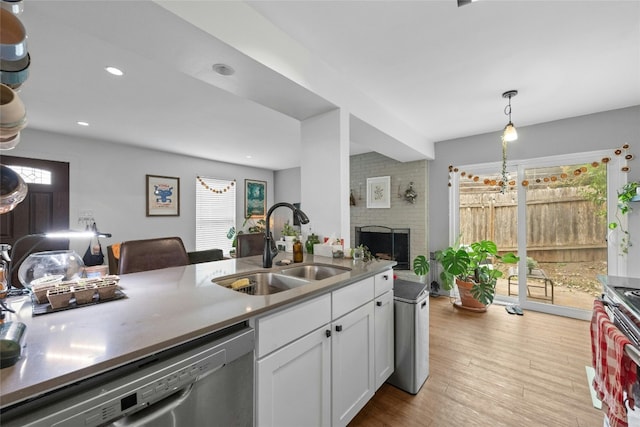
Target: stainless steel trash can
411, 308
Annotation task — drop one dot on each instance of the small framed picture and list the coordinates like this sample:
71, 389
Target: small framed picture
163, 196
378, 192
255, 198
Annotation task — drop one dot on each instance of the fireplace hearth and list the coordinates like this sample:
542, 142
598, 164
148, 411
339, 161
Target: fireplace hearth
386, 243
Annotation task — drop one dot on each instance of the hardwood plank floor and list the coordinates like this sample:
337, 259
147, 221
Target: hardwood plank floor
495, 369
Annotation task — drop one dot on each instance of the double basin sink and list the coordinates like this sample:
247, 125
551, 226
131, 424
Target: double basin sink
271, 282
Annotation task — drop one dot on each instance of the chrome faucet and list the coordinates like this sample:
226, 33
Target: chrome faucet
270, 249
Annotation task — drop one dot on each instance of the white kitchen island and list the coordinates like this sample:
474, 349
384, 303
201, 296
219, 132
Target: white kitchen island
164, 308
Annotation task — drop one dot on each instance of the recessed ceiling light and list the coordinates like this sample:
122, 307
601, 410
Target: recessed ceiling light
223, 69
82, 123
113, 70
248, 157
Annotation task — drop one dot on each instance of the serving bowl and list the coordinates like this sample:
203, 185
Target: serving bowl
15, 65
13, 36
12, 111
15, 73
14, 6
10, 142
13, 189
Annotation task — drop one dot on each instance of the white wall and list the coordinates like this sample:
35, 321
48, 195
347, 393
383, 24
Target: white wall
287, 189
601, 131
109, 179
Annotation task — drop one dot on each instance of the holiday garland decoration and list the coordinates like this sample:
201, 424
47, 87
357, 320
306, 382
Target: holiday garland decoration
501, 182
214, 190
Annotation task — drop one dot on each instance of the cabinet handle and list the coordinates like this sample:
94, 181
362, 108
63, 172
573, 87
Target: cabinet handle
385, 277
338, 328
379, 303
327, 333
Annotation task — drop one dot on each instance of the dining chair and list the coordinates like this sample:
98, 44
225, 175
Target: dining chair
151, 254
249, 244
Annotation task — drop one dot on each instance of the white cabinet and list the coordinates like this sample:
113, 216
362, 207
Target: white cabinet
352, 363
384, 328
294, 383
293, 371
320, 361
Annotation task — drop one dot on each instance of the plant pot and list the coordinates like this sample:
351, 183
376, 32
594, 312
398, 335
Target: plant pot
59, 297
83, 293
467, 301
106, 290
288, 240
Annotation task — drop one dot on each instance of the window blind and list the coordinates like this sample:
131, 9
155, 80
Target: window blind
215, 213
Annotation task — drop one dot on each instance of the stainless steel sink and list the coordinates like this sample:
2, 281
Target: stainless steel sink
271, 282
314, 271
260, 283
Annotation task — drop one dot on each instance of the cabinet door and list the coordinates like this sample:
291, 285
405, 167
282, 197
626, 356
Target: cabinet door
293, 386
384, 350
383, 282
352, 346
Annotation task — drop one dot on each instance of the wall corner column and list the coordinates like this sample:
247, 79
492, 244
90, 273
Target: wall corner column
324, 173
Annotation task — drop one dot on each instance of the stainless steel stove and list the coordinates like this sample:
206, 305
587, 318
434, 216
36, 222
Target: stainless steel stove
622, 300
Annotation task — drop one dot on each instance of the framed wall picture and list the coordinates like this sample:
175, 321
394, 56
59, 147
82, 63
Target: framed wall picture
378, 192
255, 198
163, 196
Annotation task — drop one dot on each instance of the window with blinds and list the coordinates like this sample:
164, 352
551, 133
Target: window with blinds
215, 213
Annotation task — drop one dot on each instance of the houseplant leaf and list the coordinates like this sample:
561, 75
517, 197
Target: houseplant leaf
421, 265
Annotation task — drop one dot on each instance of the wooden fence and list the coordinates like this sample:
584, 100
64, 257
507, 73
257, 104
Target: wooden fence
561, 225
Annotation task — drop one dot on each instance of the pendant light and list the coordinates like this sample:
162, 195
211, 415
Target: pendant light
509, 134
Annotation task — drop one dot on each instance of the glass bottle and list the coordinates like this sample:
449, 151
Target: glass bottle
297, 251
311, 240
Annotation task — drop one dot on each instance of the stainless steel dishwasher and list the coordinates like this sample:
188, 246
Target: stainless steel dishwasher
206, 382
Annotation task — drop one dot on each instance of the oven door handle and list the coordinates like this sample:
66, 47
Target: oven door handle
148, 415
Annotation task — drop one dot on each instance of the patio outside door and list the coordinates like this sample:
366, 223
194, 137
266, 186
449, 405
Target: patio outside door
566, 229
553, 214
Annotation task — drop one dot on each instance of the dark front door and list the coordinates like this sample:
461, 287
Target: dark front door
46, 208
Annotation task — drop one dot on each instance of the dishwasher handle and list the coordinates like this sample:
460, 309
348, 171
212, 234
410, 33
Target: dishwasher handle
147, 416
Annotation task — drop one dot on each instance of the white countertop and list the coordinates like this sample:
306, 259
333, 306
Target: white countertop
163, 308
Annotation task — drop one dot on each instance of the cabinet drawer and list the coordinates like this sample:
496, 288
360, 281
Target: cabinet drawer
351, 297
278, 329
383, 282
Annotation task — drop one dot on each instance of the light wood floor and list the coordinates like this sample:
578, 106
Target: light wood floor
495, 369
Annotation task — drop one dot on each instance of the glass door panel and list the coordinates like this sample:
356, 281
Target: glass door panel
489, 211
565, 234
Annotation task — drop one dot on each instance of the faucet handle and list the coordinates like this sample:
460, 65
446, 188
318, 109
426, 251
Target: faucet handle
272, 245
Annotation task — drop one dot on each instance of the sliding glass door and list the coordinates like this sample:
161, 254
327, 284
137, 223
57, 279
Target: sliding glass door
566, 229
553, 213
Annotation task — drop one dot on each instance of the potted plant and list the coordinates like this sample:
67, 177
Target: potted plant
290, 234
470, 269
627, 194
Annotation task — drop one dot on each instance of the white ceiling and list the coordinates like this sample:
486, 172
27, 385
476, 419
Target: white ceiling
437, 68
